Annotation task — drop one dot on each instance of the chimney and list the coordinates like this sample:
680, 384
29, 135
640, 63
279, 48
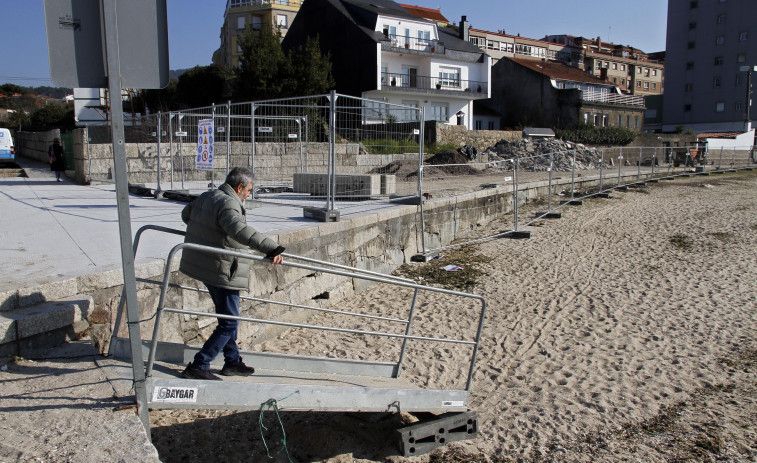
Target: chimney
464, 26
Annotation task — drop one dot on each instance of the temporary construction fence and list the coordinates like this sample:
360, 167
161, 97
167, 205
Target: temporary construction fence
324, 150
460, 195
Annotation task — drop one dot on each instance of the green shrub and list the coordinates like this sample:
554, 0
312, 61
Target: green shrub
388, 146
593, 135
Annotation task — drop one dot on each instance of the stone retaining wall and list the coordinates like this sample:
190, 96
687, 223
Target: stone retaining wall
458, 136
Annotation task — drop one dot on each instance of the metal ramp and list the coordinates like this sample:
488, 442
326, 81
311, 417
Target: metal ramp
297, 383
307, 383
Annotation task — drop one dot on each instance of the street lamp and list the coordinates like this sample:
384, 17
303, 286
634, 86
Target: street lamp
748, 102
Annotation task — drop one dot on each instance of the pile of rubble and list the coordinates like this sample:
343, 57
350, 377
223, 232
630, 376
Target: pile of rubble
534, 154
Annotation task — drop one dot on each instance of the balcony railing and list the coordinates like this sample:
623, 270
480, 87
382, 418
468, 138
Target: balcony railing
612, 98
446, 85
401, 42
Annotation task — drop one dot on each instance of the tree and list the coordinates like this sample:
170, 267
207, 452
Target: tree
163, 99
267, 72
263, 67
203, 86
19, 119
311, 69
53, 115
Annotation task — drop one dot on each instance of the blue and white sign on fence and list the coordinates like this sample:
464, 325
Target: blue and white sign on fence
205, 144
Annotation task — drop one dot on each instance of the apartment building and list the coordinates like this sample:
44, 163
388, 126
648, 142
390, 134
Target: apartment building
500, 45
711, 54
548, 93
629, 68
241, 16
385, 53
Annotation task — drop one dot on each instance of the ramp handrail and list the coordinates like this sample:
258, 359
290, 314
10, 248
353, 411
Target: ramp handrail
339, 270
173, 231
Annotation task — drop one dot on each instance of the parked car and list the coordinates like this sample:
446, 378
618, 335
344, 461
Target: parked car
7, 150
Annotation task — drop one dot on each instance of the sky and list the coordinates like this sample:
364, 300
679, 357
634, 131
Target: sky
194, 27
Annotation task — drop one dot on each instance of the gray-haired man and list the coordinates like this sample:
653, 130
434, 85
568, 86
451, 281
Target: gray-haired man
217, 218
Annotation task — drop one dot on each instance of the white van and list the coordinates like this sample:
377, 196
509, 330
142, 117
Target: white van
7, 151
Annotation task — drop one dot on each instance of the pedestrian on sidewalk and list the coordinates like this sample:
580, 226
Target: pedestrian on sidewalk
217, 218
55, 153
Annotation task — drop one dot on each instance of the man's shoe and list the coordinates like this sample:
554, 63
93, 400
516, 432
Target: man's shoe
191, 372
238, 369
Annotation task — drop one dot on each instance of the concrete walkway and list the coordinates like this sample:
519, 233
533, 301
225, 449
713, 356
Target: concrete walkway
52, 231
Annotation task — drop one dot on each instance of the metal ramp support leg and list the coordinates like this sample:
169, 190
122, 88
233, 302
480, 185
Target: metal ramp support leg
423, 437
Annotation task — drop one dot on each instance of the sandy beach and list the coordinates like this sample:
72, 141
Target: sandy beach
624, 331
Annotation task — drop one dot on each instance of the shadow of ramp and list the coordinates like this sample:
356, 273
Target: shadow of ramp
198, 435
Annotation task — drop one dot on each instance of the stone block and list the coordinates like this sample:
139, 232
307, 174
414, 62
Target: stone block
47, 292
8, 300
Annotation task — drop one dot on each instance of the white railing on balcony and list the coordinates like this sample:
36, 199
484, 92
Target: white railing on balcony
612, 98
439, 84
403, 42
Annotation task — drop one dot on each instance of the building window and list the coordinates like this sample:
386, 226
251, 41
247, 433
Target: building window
628, 122
492, 45
586, 118
739, 106
491, 125
614, 80
716, 81
718, 61
599, 65
743, 36
622, 67
636, 122
638, 84
439, 112
605, 120
741, 58
240, 22
687, 108
638, 70
688, 88
720, 40
622, 81
719, 107
281, 21
690, 66
646, 85
620, 120
693, 4
654, 72
692, 25
646, 73
654, 85
478, 41
449, 77
479, 125
738, 79
615, 65
691, 45
721, 19
596, 120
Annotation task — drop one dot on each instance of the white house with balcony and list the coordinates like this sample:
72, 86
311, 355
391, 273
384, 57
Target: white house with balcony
382, 52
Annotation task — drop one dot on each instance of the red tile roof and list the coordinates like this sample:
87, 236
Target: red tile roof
557, 70
427, 13
719, 135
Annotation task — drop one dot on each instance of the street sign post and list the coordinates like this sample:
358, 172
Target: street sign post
113, 44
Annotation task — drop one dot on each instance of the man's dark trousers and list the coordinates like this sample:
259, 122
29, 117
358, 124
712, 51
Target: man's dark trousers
225, 335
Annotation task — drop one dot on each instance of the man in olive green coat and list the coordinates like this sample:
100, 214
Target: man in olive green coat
217, 218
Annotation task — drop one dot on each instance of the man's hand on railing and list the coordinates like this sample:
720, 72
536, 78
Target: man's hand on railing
275, 255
